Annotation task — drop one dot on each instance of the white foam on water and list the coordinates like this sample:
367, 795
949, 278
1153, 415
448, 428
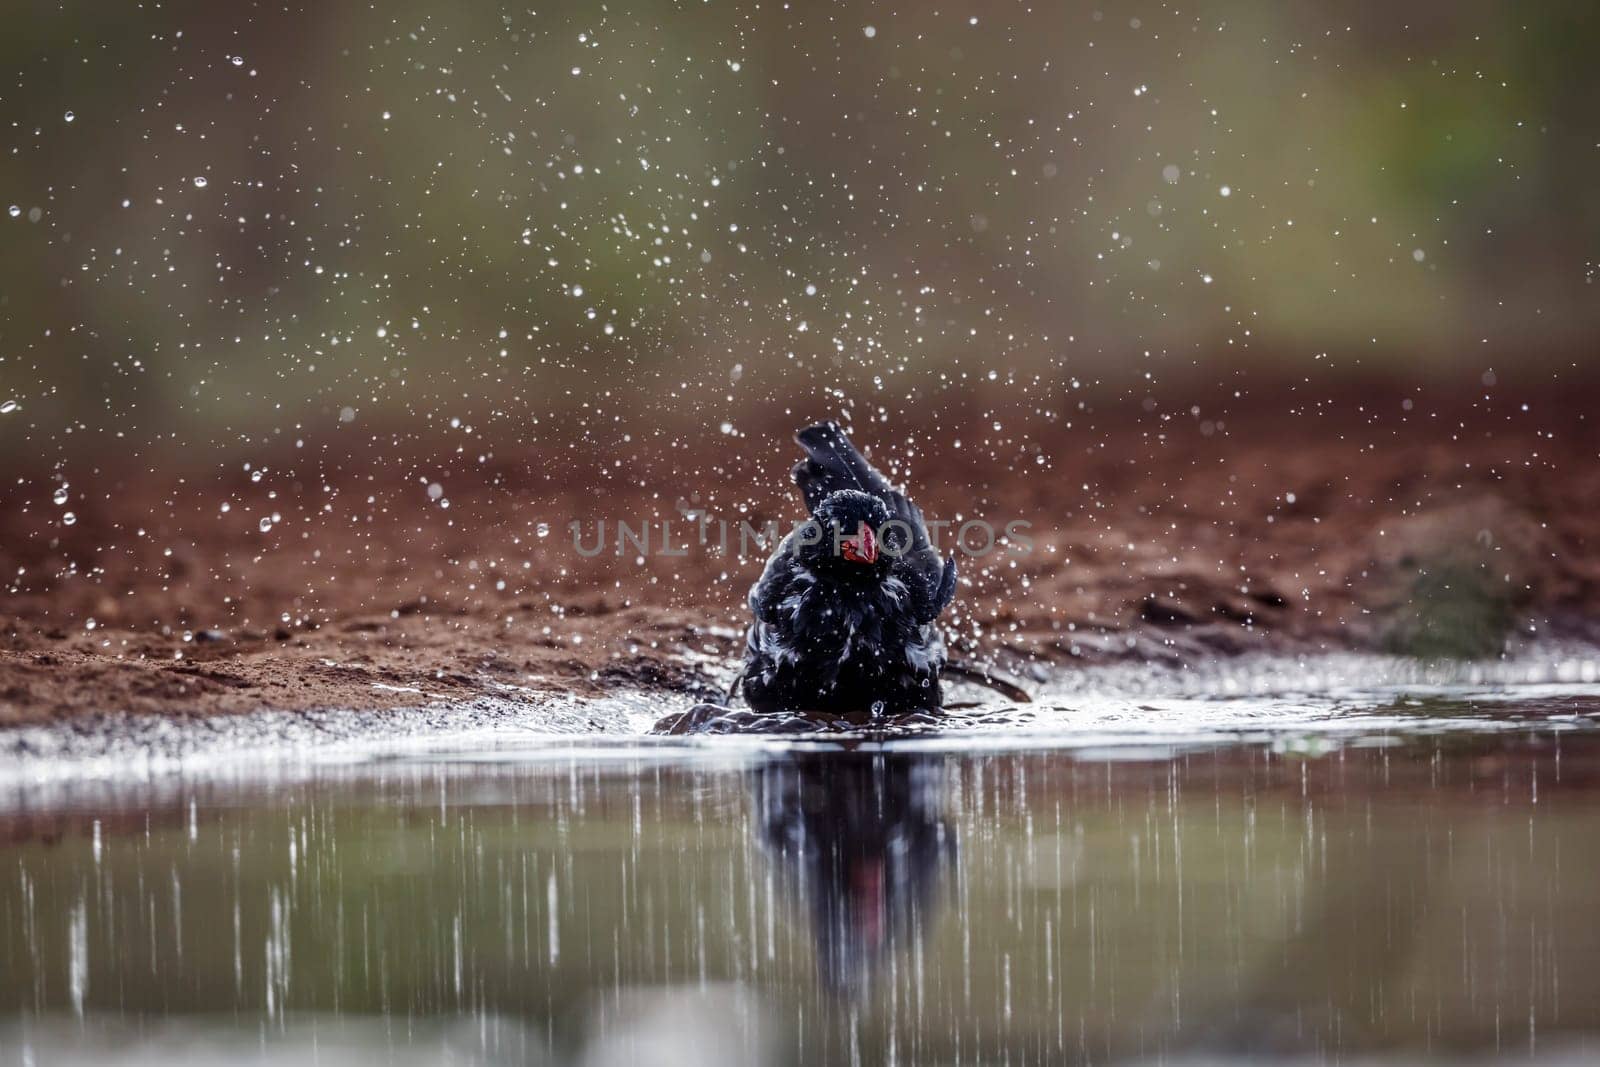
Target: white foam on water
1340, 699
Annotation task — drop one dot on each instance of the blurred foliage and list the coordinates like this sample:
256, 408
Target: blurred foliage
263, 216
1455, 611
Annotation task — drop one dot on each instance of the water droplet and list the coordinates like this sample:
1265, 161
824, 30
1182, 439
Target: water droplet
69, 116
237, 61
199, 181
60, 495
68, 518
1226, 190
870, 31
8, 407
265, 524
14, 211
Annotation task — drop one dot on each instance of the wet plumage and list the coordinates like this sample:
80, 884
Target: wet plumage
844, 616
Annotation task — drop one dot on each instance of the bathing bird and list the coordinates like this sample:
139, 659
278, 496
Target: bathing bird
844, 615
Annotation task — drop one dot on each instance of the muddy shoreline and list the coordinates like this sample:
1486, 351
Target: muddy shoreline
332, 575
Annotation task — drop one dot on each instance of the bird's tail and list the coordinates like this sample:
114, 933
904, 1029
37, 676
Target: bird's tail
989, 677
832, 463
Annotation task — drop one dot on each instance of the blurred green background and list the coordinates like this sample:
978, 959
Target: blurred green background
223, 220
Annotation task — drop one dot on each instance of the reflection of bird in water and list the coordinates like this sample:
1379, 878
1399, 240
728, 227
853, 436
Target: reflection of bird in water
863, 841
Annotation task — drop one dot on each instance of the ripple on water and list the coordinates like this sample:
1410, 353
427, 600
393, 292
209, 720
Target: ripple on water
1342, 697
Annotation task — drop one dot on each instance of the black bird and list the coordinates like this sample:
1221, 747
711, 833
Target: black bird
844, 615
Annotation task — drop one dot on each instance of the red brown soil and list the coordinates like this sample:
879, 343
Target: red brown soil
1280, 523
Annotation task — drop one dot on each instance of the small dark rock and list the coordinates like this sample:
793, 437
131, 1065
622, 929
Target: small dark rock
1160, 611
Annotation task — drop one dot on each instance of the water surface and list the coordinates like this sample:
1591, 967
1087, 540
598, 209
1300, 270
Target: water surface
1412, 874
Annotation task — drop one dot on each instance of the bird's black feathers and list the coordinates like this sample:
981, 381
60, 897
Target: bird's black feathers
842, 633
947, 587
832, 463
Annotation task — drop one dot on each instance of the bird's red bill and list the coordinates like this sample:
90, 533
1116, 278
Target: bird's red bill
863, 547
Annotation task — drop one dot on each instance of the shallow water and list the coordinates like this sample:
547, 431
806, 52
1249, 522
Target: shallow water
1377, 875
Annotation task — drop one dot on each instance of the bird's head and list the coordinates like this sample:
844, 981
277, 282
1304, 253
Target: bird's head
849, 526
